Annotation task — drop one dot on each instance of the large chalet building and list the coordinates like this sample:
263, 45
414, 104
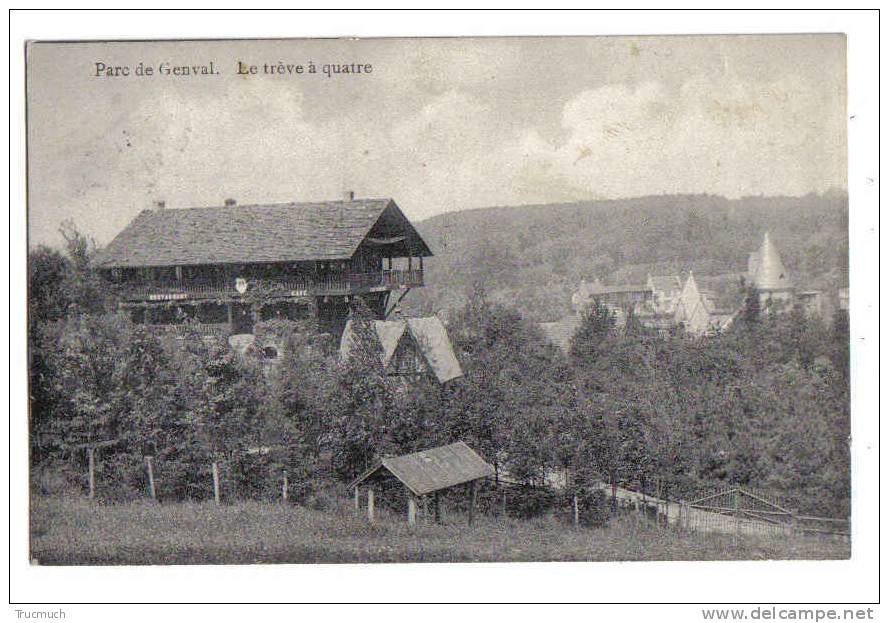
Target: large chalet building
208, 265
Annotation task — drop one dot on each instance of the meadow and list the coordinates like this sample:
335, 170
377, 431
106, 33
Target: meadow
78, 531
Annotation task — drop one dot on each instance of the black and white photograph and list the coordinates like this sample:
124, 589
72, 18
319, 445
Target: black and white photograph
385, 300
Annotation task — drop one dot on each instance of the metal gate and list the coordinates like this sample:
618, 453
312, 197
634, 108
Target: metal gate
740, 510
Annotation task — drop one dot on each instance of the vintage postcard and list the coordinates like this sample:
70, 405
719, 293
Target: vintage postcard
511, 299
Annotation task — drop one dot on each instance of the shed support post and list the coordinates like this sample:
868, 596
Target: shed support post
436, 506
472, 495
411, 510
370, 503
356, 498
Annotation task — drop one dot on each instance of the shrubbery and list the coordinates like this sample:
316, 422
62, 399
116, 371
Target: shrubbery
765, 404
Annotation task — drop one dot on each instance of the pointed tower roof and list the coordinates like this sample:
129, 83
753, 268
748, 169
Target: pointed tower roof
689, 298
770, 272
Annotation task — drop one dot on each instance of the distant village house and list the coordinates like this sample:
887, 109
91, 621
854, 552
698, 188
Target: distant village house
699, 305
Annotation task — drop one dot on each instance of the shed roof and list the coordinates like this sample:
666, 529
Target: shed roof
284, 232
433, 469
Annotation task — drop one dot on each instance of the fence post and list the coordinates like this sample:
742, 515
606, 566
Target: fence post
216, 482
472, 495
149, 462
284, 489
356, 495
576, 512
737, 501
91, 452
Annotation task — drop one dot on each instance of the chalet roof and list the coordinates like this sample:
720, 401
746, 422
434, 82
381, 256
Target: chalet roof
286, 232
428, 333
433, 469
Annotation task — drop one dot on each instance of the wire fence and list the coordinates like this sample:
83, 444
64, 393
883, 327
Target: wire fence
730, 510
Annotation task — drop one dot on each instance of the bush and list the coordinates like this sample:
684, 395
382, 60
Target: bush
594, 507
526, 501
55, 477
320, 494
121, 477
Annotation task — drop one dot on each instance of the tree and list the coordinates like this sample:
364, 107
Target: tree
514, 391
839, 344
48, 298
752, 309
364, 404
86, 292
596, 325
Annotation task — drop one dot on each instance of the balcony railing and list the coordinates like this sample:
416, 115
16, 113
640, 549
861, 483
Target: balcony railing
336, 284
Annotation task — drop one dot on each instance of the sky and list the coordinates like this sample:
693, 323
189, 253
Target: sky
439, 124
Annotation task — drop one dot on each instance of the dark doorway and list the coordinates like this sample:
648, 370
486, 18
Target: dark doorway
242, 319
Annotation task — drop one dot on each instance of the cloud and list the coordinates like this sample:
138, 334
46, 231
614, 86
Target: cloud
727, 137
461, 126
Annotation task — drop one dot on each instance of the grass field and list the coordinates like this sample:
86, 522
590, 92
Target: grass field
77, 531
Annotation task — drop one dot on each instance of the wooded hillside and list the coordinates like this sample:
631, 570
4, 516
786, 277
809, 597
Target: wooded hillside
533, 256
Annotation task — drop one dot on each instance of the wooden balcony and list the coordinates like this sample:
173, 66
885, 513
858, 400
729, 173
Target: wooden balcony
282, 287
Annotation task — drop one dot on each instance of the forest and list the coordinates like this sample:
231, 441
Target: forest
538, 254
765, 403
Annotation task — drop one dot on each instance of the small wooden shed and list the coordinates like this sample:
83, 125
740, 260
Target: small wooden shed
427, 472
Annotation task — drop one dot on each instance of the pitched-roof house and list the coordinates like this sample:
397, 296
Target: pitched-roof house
619, 297
702, 311
409, 347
